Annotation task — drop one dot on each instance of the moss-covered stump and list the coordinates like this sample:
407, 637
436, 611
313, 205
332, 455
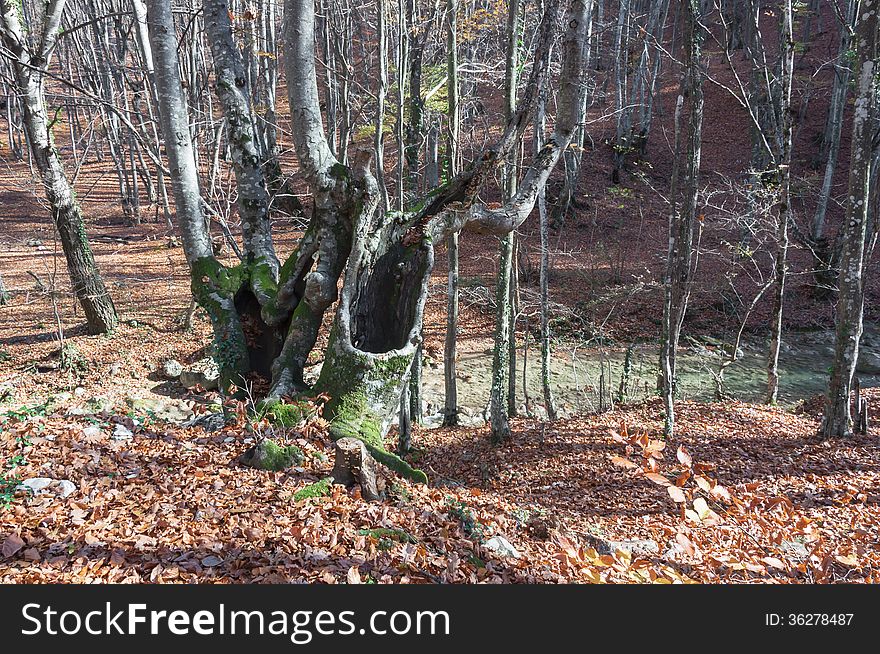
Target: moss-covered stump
268, 455
363, 394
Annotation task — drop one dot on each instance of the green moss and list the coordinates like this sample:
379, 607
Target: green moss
353, 418
398, 465
262, 278
287, 415
214, 287
393, 367
268, 455
209, 272
318, 489
339, 171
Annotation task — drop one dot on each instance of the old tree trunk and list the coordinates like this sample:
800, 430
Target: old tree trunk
266, 315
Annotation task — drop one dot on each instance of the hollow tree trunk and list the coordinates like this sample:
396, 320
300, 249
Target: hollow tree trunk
88, 286
386, 257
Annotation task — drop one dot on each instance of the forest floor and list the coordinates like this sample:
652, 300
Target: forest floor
742, 494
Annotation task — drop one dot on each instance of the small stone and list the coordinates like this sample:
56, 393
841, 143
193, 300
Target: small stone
92, 431
210, 422
211, 561
65, 487
164, 409
42, 485
637, 546
502, 547
122, 433
36, 485
268, 455
204, 373
172, 369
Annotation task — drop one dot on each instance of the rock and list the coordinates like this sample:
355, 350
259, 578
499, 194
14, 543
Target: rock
204, 373
172, 369
122, 433
637, 546
42, 485
209, 422
502, 547
794, 548
92, 431
869, 363
268, 455
34, 242
211, 561
169, 410
65, 487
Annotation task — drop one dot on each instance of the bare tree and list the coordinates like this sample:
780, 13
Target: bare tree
30, 47
837, 420
683, 212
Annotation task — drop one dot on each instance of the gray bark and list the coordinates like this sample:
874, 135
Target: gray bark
32, 50
683, 218
784, 144
450, 381
850, 305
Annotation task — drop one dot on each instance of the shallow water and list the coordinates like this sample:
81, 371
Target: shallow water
804, 366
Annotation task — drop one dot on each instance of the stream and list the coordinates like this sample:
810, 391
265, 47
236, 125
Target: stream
576, 373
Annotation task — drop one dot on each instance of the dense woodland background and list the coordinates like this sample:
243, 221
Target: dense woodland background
552, 291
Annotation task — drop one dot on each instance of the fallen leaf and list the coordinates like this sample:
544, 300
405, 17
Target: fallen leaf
11, 545
676, 494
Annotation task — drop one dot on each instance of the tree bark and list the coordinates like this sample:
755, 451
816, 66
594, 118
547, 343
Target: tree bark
32, 51
838, 414
784, 120
450, 381
683, 218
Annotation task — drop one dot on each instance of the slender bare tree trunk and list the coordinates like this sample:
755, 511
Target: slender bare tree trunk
32, 49
838, 415
784, 210
499, 410
450, 406
831, 138
683, 216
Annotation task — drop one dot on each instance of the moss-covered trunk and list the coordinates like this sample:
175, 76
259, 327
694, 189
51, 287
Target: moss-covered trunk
374, 338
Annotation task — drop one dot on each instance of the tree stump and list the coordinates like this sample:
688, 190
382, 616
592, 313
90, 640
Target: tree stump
355, 465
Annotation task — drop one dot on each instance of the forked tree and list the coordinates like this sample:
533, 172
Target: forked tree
267, 315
